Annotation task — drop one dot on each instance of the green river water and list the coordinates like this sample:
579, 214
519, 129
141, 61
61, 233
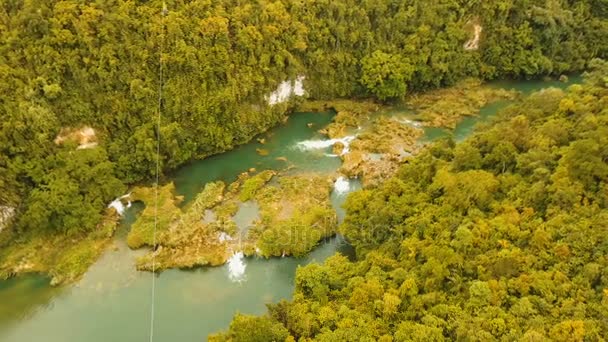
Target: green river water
112, 301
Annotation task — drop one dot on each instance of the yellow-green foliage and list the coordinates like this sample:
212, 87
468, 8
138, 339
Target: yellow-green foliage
252, 328
253, 184
73, 63
188, 241
388, 137
166, 213
348, 114
211, 195
64, 258
446, 107
185, 241
501, 237
295, 215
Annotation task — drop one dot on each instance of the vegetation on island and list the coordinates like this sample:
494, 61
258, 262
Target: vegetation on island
79, 82
350, 114
380, 144
446, 107
500, 237
183, 239
71, 64
295, 214
376, 153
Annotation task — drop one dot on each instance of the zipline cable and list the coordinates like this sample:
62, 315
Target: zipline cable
158, 122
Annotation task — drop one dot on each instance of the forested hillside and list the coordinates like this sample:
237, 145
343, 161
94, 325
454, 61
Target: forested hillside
73, 67
500, 237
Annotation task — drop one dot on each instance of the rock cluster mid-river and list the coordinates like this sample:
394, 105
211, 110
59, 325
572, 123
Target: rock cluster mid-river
112, 301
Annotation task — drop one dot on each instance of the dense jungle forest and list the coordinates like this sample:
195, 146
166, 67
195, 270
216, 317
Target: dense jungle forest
65, 65
499, 238
502, 235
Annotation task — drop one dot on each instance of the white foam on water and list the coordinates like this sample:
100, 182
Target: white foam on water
341, 185
308, 145
118, 205
286, 90
236, 267
346, 142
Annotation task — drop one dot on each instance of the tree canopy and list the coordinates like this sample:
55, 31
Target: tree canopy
500, 237
72, 63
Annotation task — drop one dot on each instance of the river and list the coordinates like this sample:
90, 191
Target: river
112, 301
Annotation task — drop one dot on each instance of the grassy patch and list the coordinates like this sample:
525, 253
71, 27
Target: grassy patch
142, 230
349, 114
253, 184
64, 258
184, 241
376, 154
446, 107
295, 215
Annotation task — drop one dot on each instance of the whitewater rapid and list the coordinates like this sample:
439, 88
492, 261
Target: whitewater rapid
319, 144
236, 267
119, 206
341, 185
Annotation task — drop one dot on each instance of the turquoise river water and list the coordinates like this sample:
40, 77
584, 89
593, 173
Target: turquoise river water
112, 301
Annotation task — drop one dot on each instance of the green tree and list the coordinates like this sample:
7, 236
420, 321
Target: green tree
386, 75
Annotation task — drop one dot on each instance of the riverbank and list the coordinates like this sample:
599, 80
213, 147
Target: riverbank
469, 233
268, 214
184, 296
291, 213
62, 258
365, 144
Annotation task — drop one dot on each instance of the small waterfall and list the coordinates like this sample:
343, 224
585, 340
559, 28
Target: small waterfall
341, 186
473, 43
298, 86
236, 267
118, 206
287, 89
318, 144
